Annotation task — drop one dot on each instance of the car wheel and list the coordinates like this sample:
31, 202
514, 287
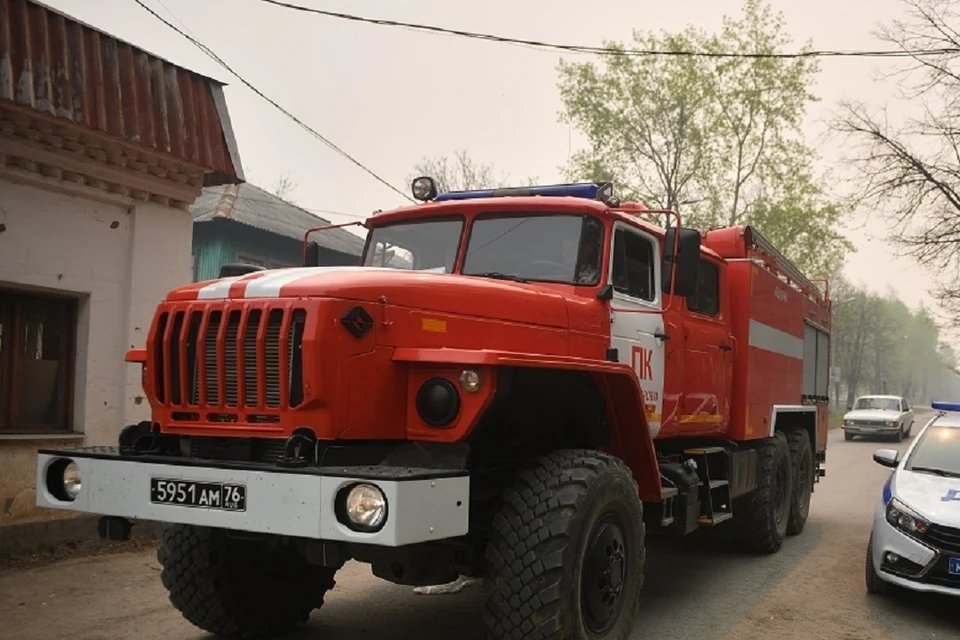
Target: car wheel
875, 584
900, 433
848, 436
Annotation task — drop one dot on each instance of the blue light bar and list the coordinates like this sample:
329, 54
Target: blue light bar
946, 406
588, 190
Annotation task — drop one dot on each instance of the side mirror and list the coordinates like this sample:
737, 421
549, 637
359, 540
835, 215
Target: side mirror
687, 260
238, 269
313, 255
313, 258
887, 457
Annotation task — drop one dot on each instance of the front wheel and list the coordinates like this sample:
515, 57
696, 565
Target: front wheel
565, 557
239, 588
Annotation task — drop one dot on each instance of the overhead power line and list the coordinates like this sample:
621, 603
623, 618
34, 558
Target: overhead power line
304, 125
312, 210
607, 51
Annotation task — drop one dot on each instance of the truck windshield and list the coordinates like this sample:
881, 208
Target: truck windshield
937, 452
423, 245
553, 248
880, 404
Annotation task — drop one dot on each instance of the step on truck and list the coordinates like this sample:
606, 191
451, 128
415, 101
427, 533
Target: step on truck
520, 385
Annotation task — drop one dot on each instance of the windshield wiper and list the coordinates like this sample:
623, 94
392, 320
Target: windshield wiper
496, 275
940, 472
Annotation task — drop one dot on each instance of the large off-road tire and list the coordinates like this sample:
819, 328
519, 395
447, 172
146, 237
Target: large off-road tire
566, 553
801, 459
875, 584
760, 518
238, 588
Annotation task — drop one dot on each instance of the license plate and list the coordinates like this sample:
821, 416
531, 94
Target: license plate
203, 495
954, 568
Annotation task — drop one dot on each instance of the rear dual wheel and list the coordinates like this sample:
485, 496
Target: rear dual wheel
801, 460
761, 518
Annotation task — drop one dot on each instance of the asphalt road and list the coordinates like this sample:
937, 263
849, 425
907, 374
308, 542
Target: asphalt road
812, 590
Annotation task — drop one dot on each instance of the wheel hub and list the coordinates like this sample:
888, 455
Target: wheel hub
604, 576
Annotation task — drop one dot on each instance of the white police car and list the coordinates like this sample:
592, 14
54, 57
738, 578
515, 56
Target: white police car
915, 542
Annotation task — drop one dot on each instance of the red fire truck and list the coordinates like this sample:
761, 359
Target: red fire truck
516, 384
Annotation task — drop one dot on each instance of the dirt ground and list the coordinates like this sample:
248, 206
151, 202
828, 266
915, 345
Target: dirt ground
812, 590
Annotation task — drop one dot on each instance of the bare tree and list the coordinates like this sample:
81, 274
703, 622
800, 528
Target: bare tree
283, 187
910, 171
462, 173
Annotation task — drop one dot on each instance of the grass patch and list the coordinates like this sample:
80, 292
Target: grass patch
836, 420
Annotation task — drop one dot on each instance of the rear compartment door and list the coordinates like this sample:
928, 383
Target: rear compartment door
638, 337
708, 356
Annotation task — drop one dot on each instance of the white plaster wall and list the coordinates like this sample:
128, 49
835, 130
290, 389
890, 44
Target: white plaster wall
120, 261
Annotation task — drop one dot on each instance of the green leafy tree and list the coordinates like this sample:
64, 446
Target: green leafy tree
882, 346
670, 129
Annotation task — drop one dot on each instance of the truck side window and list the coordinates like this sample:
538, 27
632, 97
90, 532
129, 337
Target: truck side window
632, 265
705, 301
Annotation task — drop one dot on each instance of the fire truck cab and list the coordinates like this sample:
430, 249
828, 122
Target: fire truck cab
516, 384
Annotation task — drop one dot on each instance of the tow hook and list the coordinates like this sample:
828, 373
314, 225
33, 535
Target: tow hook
298, 451
114, 528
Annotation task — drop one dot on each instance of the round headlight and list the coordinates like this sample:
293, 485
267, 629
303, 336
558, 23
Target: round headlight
438, 402
366, 506
470, 380
72, 480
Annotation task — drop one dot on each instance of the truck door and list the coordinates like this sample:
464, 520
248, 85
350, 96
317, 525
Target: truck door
634, 267
708, 356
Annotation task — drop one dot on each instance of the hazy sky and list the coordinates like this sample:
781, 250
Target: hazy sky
391, 96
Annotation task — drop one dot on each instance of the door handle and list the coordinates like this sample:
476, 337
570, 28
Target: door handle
660, 336
724, 347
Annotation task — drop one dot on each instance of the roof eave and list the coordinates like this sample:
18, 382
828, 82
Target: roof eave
216, 178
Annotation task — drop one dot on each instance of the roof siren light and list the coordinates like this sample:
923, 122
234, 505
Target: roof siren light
945, 406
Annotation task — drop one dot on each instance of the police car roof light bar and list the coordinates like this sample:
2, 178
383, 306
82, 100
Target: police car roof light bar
946, 406
602, 191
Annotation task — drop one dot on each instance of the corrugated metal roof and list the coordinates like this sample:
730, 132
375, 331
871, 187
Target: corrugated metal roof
57, 65
251, 205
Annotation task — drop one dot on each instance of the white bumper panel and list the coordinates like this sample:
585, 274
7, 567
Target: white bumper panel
887, 538
283, 502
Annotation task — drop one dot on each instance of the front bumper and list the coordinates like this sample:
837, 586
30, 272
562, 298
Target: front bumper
932, 577
423, 504
867, 430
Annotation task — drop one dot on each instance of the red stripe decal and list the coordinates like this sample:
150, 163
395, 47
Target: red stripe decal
239, 288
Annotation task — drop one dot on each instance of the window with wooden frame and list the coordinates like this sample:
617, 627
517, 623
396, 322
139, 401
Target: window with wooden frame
37, 358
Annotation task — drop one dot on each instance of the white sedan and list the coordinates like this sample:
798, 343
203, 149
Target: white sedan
915, 542
879, 416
